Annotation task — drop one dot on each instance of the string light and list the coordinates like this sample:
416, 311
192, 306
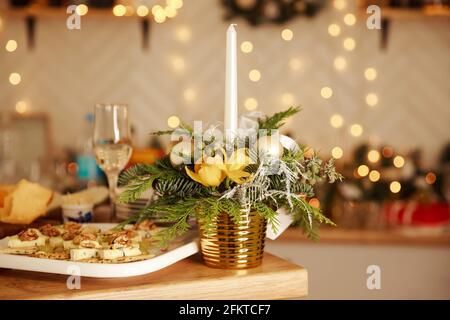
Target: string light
395, 187
142, 11
340, 4
173, 121
356, 130
183, 34
340, 63
251, 104
177, 4
119, 10
334, 30
349, 19
370, 74
430, 178
21, 107
178, 63
326, 92
287, 98
15, 78
337, 152
82, 9
11, 45
399, 161
157, 8
287, 34
189, 94
374, 176
170, 11
349, 44
295, 64
372, 99
373, 156
336, 121
254, 75
363, 170
246, 47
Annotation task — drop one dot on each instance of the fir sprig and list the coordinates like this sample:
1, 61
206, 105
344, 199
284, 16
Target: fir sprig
277, 120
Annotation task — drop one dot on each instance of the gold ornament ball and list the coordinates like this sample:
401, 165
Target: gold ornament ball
269, 146
181, 151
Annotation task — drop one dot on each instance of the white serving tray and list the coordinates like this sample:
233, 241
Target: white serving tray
188, 246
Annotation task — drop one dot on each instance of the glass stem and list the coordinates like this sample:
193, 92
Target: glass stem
112, 182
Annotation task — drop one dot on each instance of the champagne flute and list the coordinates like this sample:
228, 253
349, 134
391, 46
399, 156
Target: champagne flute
112, 143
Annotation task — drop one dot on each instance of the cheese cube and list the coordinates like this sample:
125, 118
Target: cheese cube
109, 254
55, 242
131, 252
15, 242
81, 254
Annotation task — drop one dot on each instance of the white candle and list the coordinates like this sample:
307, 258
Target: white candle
231, 108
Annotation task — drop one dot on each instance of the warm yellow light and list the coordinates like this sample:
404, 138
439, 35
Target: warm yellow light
254, 75
251, 103
246, 47
287, 98
363, 170
395, 186
349, 44
11, 45
340, 63
178, 63
173, 121
119, 10
177, 4
183, 34
430, 178
170, 11
326, 92
370, 74
356, 130
189, 94
15, 78
399, 161
159, 16
21, 107
334, 30
349, 19
287, 34
156, 9
337, 152
142, 11
82, 9
374, 176
295, 64
336, 121
372, 99
373, 156
340, 4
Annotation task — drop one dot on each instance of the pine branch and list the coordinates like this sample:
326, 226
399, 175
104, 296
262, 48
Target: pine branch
269, 214
277, 120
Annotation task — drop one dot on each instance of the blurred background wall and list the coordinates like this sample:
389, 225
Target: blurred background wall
182, 74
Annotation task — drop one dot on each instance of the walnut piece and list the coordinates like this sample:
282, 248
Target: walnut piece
72, 226
68, 235
49, 230
28, 235
84, 237
121, 239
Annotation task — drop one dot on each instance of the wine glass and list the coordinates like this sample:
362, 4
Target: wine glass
112, 143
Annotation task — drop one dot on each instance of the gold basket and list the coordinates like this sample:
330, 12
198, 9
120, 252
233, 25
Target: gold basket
234, 246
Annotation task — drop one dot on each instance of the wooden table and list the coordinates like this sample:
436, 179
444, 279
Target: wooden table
187, 279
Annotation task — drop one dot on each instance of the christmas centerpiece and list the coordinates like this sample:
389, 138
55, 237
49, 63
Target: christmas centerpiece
232, 184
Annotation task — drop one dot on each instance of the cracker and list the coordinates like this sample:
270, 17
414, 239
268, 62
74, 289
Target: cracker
20, 251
